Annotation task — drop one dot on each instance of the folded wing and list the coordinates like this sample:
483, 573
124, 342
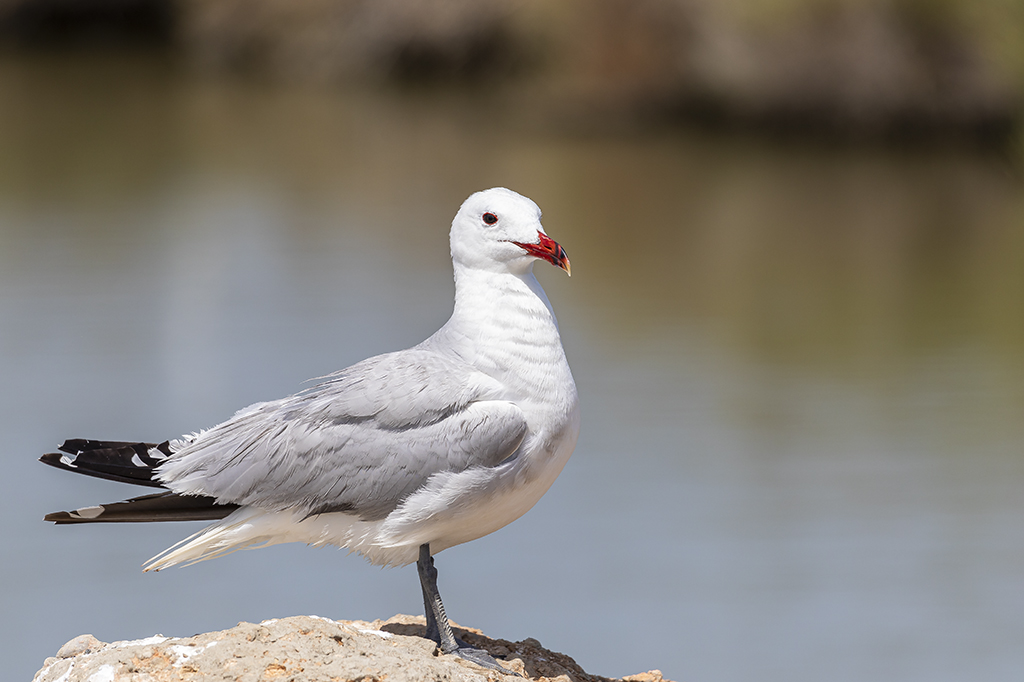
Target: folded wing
360, 442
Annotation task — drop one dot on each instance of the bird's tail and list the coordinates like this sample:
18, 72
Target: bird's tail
246, 528
252, 528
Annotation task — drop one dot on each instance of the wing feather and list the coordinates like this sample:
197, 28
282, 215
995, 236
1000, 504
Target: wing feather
360, 442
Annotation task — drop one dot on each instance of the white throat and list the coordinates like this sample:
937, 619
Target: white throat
504, 326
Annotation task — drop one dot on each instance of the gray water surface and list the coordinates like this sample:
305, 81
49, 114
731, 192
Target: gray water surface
801, 369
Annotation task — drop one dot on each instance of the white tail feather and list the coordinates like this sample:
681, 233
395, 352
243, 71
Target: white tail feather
239, 530
252, 528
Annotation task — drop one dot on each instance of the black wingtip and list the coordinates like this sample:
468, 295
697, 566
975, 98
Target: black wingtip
61, 461
124, 462
165, 506
73, 446
53, 459
84, 515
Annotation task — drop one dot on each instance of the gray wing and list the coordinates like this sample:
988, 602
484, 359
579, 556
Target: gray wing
360, 442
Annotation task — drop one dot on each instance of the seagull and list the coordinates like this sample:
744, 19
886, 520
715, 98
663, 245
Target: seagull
397, 457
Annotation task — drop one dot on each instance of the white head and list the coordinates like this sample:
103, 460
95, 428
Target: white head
500, 231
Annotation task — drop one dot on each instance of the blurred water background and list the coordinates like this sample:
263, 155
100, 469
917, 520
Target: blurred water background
801, 364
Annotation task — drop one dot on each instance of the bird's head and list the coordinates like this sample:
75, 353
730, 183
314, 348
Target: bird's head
499, 230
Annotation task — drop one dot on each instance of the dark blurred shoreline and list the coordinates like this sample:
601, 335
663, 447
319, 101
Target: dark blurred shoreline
919, 72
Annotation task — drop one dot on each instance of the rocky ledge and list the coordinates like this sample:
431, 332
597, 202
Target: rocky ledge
308, 649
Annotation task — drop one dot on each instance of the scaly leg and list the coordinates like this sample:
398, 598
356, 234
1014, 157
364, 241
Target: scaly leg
438, 627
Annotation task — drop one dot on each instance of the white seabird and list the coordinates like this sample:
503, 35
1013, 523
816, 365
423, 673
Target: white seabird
397, 457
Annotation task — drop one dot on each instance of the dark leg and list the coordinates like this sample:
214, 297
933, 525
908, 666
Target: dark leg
438, 627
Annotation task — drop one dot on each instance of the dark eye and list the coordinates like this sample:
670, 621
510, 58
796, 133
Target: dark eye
490, 218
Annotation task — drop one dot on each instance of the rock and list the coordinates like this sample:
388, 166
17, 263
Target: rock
307, 649
79, 645
649, 676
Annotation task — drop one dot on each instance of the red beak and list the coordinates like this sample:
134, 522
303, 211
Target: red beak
547, 249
